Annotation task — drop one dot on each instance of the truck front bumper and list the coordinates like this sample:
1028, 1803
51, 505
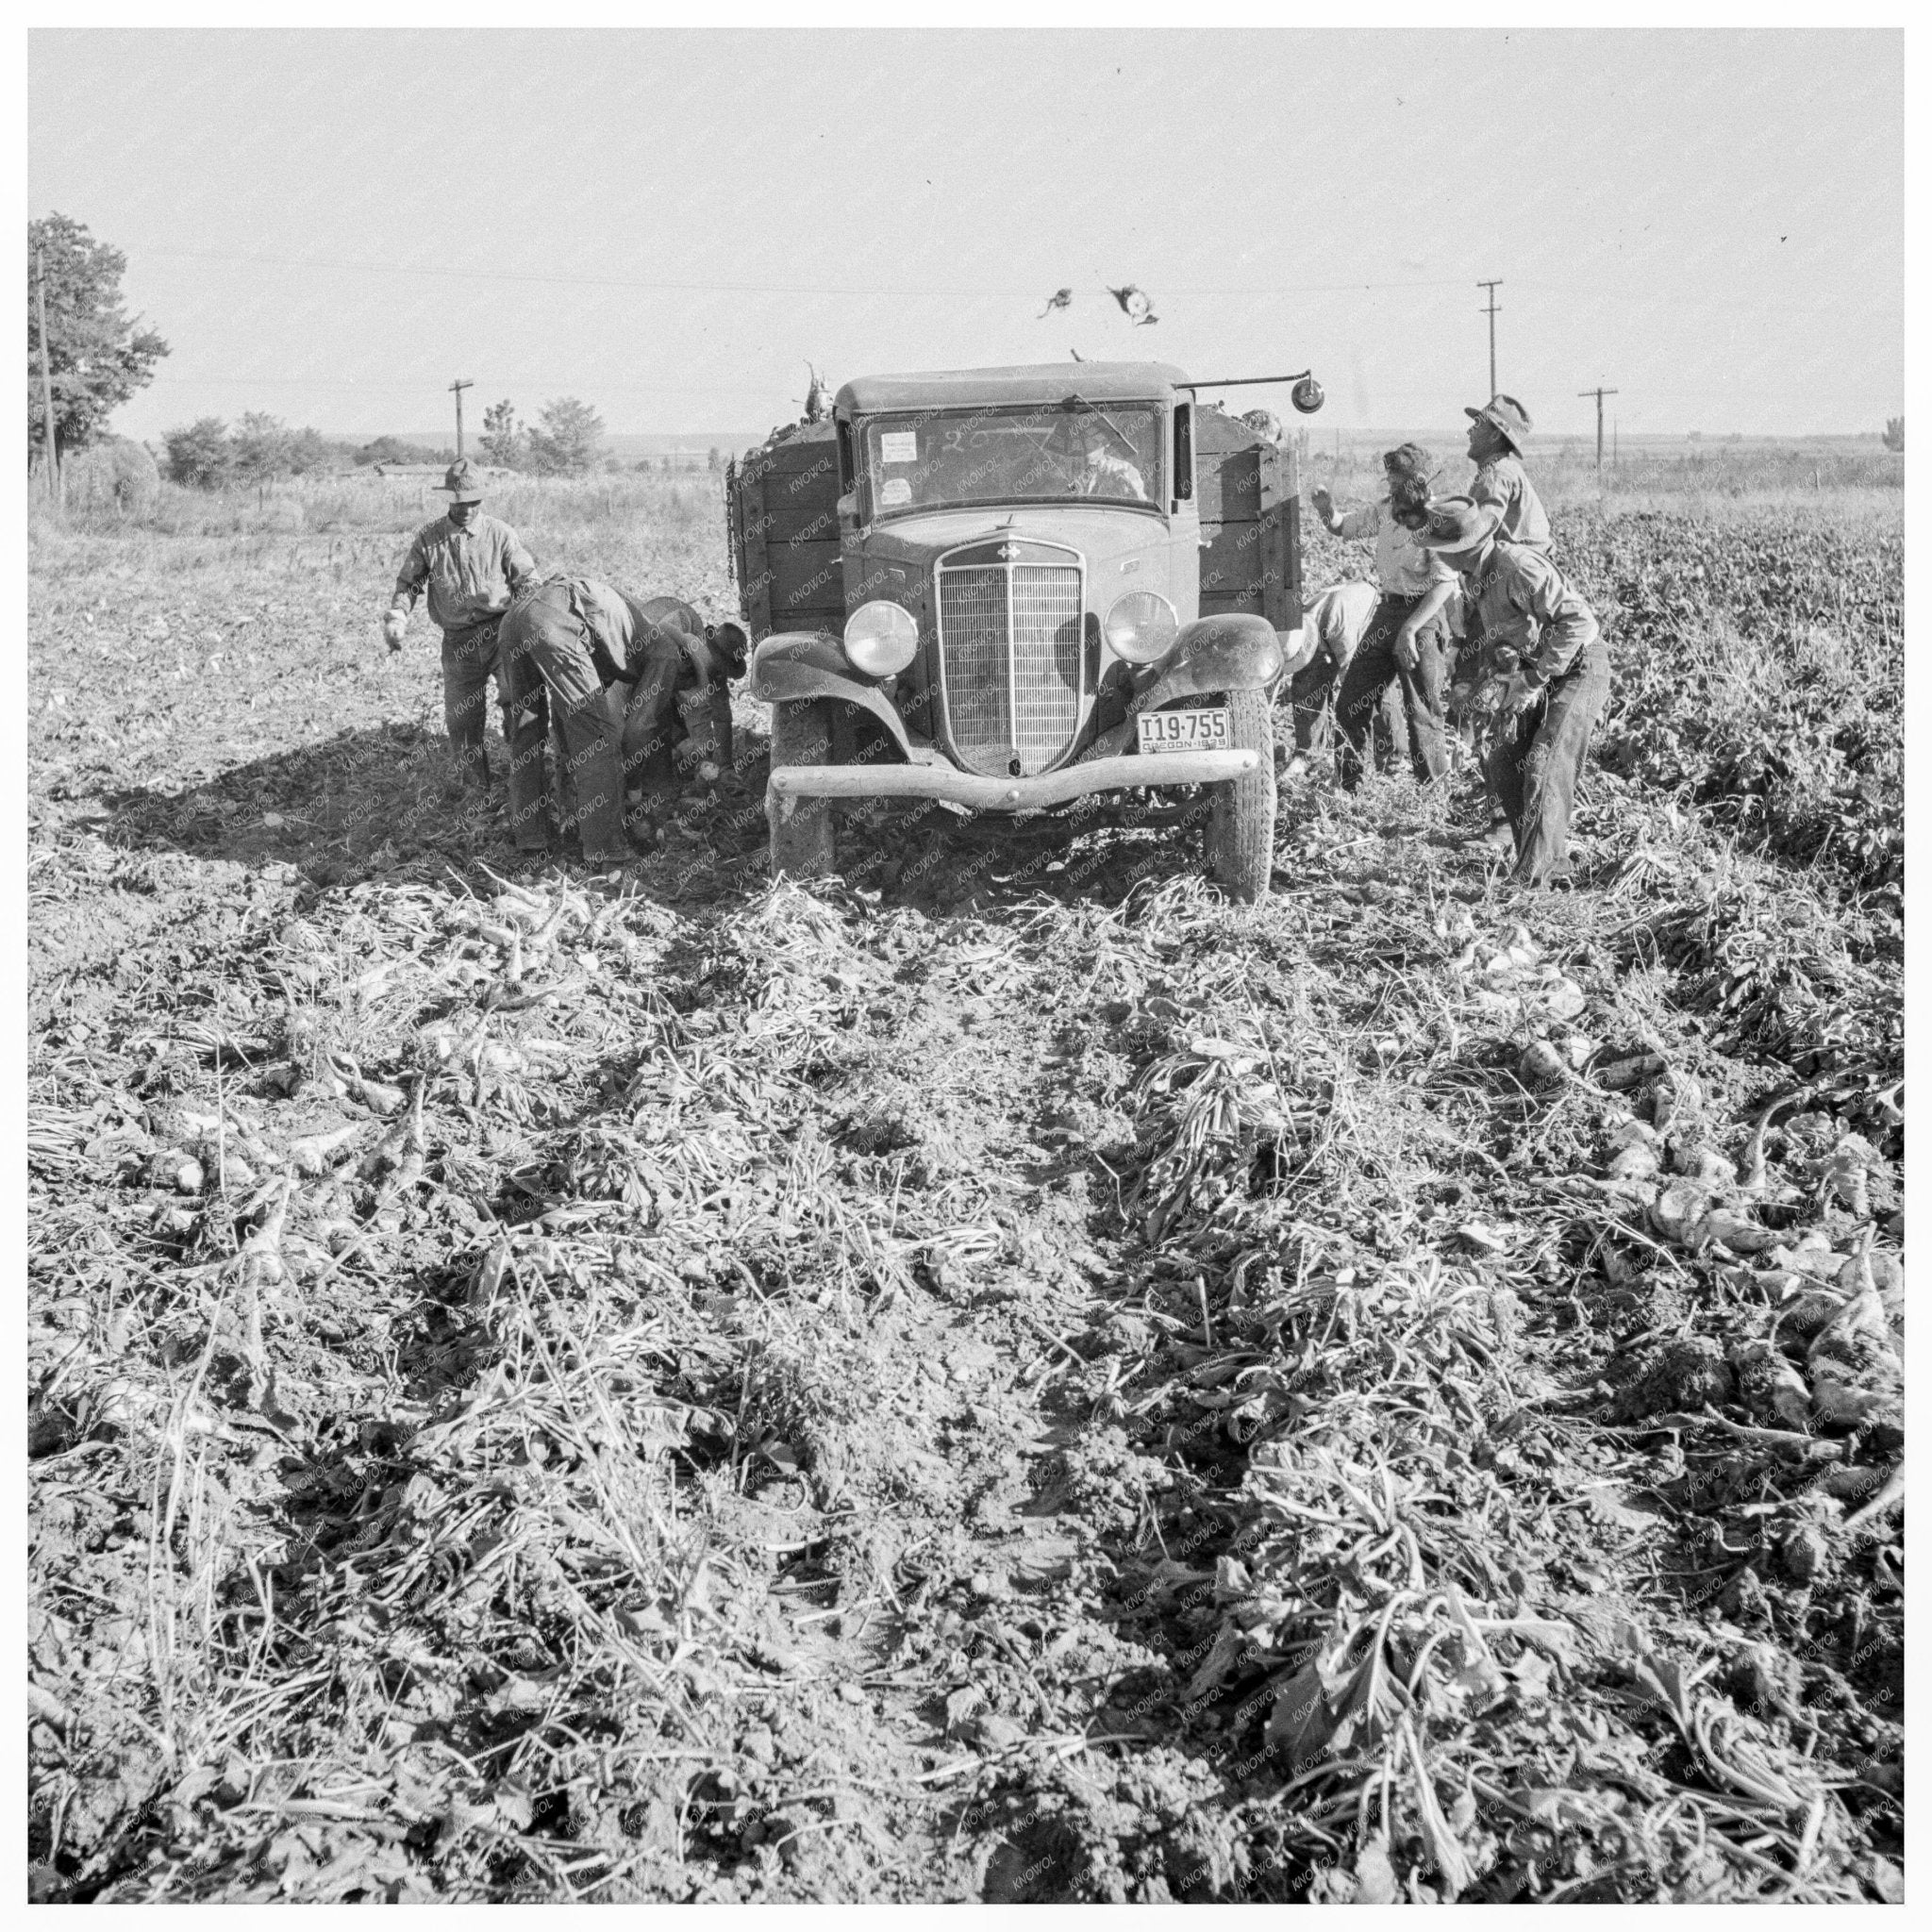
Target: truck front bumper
789, 783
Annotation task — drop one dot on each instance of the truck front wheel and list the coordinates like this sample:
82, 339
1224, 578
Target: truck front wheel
805, 845
1240, 822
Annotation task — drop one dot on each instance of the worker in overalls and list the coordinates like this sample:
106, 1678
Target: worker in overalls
632, 684
565, 641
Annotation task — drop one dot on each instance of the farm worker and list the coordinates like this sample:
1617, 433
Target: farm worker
1405, 641
1547, 674
1497, 435
566, 641
679, 709
1334, 623
473, 565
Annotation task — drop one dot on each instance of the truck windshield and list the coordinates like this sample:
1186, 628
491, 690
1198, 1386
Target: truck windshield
1052, 452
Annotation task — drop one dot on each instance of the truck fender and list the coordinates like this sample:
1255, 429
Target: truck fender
1234, 649
790, 667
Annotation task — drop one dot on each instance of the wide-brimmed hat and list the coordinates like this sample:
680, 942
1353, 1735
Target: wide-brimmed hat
462, 481
1507, 415
1458, 523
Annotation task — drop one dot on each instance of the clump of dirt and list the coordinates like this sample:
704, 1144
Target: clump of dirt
1687, 1373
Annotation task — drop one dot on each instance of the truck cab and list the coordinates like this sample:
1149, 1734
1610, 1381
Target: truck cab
1013, 588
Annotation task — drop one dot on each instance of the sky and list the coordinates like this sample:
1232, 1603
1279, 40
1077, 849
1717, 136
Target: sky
332, 226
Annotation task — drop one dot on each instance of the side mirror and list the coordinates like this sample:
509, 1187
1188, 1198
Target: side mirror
1307, 395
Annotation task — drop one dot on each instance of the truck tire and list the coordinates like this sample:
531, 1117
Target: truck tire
1241, 820
806, 845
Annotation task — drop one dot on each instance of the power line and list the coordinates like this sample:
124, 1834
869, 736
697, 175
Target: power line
464, 274
1599, 393
55, 482
456, 389
1492, 312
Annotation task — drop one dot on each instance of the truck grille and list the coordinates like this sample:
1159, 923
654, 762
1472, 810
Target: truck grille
1010, 661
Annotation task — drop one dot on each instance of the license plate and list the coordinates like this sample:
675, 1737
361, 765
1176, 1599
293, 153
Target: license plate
1191, 730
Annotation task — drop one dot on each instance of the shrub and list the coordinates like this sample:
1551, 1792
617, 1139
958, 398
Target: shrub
570, 442
113, 473
202, 455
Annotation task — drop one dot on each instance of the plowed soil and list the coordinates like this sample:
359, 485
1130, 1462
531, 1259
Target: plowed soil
1000, 1376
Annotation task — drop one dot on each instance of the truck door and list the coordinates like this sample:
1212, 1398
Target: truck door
782, 505
1250, 501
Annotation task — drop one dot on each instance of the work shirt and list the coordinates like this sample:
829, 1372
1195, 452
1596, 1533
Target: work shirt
1338, 619
1108, 474
1526, 604
609, 616
1503, 483
471, 572
1403, 567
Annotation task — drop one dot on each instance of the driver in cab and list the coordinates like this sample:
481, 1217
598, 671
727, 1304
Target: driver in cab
1085, 453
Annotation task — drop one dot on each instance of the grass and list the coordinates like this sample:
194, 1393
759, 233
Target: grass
1004, 1376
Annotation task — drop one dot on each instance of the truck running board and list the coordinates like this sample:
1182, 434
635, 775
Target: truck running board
789, 783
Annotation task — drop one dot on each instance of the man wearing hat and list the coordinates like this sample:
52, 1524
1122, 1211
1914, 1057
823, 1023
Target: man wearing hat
473, 565
1498, 433
1546, 676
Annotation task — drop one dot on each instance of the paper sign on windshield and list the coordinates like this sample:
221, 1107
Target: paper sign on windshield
899, 446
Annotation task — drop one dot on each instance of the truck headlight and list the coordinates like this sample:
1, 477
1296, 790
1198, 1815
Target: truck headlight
881, 638
1141, 627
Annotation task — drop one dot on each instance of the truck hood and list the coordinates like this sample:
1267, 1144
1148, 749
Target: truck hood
1124, 550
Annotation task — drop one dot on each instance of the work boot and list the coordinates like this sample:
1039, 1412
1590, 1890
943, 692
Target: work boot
1500, 838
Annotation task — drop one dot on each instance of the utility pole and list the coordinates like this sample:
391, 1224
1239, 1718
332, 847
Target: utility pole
1491, 312
54, 479
456, 389
1599, 393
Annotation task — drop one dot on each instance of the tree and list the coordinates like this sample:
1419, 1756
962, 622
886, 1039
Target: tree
502, 440
569, 442
201, 455
309, 451
98, 357
1895, 433
714, 461
261, 447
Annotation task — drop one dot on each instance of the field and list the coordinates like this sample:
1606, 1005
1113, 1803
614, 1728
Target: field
1004, 1376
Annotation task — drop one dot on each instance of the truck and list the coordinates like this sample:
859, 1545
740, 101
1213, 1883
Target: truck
1012, 588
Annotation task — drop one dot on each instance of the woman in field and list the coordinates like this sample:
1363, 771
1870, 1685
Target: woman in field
1404, 639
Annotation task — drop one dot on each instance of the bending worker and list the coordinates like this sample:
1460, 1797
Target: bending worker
1406, 639
1545, 676
473, 565
679, 711
574, 643
1334, 623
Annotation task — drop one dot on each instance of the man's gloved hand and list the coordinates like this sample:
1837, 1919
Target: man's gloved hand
393, 624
